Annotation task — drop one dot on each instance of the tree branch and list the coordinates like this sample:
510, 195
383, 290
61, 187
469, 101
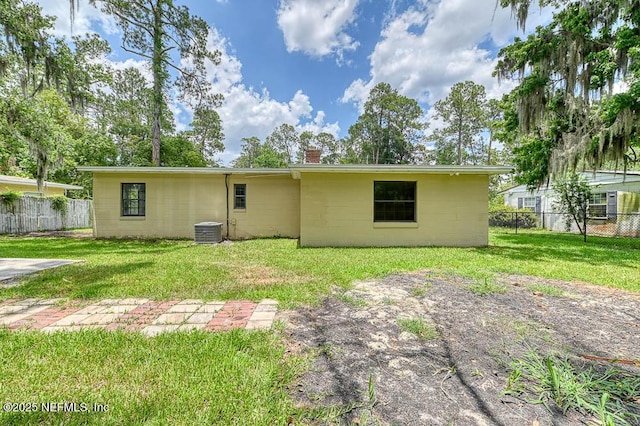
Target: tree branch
145, 26
135, 52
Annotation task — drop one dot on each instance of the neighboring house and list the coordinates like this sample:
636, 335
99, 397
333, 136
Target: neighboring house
322, 205
30, 186
615, 197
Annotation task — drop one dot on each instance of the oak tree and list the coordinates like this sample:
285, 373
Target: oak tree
578, 98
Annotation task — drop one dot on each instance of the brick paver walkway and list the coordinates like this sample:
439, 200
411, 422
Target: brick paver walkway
148, 316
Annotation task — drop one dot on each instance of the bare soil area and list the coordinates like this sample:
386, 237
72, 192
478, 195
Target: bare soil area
366, 369
73, 233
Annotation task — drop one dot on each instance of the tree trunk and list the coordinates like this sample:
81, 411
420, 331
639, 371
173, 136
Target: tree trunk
459, 146
156, 65
459, 137
489, 150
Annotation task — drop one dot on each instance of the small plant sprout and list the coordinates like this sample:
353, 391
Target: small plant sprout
486, 288
419, 327
546, 289
608, 395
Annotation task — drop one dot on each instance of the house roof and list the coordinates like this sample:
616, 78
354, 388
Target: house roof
399, 168
295, 170
15, 180
606, 178
183, 170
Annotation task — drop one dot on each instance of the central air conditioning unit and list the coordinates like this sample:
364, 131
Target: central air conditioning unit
208, 232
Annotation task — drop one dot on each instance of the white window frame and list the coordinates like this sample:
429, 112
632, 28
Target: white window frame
529, 200
603, 202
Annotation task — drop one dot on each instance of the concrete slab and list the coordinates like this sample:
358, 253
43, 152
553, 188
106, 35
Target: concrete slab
101, 319
258, 325
262, 316
191, 302
10, 309
23, 311
154, 330
189, 327
28, 302
211, 307
266, 308
51, 302
90, 310
200, 318
108, 302
182, 307
22, 314
14, 268
133, 301
73, 319
171, 318
118, 309
54, 329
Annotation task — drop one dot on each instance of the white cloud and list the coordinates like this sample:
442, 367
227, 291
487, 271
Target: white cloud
84, 17
318, 125
248, 112
245, 111
318, 28
431, 46
142, 65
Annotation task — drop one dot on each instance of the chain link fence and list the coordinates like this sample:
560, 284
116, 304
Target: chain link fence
613, 225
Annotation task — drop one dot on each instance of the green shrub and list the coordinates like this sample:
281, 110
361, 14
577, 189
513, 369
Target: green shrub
59, 203
9, 198
505, 216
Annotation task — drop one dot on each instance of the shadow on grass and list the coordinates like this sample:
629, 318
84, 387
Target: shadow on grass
561, 247
549, 237
42, 247
74, 281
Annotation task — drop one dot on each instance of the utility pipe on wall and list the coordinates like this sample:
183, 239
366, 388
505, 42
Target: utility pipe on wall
226, 185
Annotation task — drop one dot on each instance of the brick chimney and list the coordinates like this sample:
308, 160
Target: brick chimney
312, 156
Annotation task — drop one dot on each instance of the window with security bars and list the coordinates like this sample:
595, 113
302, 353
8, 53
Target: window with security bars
394, 201
598, 205
240, 196
133, 199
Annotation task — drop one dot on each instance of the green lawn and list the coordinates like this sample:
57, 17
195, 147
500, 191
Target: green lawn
277, 268
194, 378
237, 377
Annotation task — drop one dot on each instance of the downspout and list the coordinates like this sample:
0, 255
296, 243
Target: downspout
226, 185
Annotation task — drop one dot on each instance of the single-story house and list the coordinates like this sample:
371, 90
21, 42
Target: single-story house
612, 193
30, 186
322, 205
615, 198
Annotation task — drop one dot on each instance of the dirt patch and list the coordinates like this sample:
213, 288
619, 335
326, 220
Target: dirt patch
260, 275
74, 233
367, 369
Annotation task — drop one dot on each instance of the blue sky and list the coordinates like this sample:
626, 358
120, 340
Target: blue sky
311, 63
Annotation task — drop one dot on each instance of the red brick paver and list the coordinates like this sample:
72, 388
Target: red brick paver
234, 314
146, 317
44, 318
8, 302
141, 316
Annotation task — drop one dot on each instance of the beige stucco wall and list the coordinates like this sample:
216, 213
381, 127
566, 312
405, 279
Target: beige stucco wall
337, 210
47, 190
177, 201
273, 207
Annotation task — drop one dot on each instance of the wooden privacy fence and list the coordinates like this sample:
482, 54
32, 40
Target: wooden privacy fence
32, 214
